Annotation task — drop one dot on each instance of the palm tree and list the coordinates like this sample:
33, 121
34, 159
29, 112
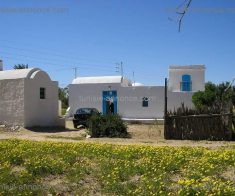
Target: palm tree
21, 66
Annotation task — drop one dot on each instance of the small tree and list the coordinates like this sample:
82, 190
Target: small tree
205, 98
215, 96
21, 66
63, 97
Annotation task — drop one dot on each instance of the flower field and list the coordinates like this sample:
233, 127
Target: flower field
40, 168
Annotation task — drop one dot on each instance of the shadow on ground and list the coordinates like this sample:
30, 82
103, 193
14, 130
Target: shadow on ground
53, 129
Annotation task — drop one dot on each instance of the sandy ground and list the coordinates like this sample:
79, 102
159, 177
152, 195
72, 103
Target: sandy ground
140, 134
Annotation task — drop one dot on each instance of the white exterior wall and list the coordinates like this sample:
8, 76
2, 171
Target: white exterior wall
131, 98
132, 108
129, 103
88, 95
12, 101
40, 112
197, 78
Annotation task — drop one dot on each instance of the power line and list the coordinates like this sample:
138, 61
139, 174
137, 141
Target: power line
55, 54
48, 59
51, 62
98, 67
141, 73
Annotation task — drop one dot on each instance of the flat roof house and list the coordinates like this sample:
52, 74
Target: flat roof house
28, 97
116, 94
186, 78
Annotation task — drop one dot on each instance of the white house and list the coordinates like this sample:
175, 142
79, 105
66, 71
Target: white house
28, 98
116, 94
186, 78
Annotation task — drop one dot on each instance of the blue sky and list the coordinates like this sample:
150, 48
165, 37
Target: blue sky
95, 35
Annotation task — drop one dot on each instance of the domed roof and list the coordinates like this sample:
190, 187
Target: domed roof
17, 73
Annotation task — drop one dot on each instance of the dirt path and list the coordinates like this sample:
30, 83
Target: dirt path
140, 134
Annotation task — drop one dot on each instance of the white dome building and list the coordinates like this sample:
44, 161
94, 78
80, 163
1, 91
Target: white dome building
28, 97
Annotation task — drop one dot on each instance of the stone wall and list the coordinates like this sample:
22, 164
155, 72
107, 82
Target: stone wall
12, 102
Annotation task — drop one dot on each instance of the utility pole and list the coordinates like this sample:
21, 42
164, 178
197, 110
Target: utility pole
133, 77
75, 72
166, 133
119, 68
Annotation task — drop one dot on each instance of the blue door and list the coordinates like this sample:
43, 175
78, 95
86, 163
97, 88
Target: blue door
109, 102
186, 83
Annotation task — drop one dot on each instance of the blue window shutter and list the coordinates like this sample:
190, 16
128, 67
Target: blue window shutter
186, 83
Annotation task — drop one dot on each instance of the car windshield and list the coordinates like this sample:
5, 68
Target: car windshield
84, 111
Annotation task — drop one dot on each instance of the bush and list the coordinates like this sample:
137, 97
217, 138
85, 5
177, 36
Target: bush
110, 125
215, 96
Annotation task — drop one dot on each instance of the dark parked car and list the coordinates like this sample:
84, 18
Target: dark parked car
82, 115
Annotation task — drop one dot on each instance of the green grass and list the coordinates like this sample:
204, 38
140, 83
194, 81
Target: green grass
40, 168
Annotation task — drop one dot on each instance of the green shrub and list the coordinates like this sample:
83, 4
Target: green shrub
110, 125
